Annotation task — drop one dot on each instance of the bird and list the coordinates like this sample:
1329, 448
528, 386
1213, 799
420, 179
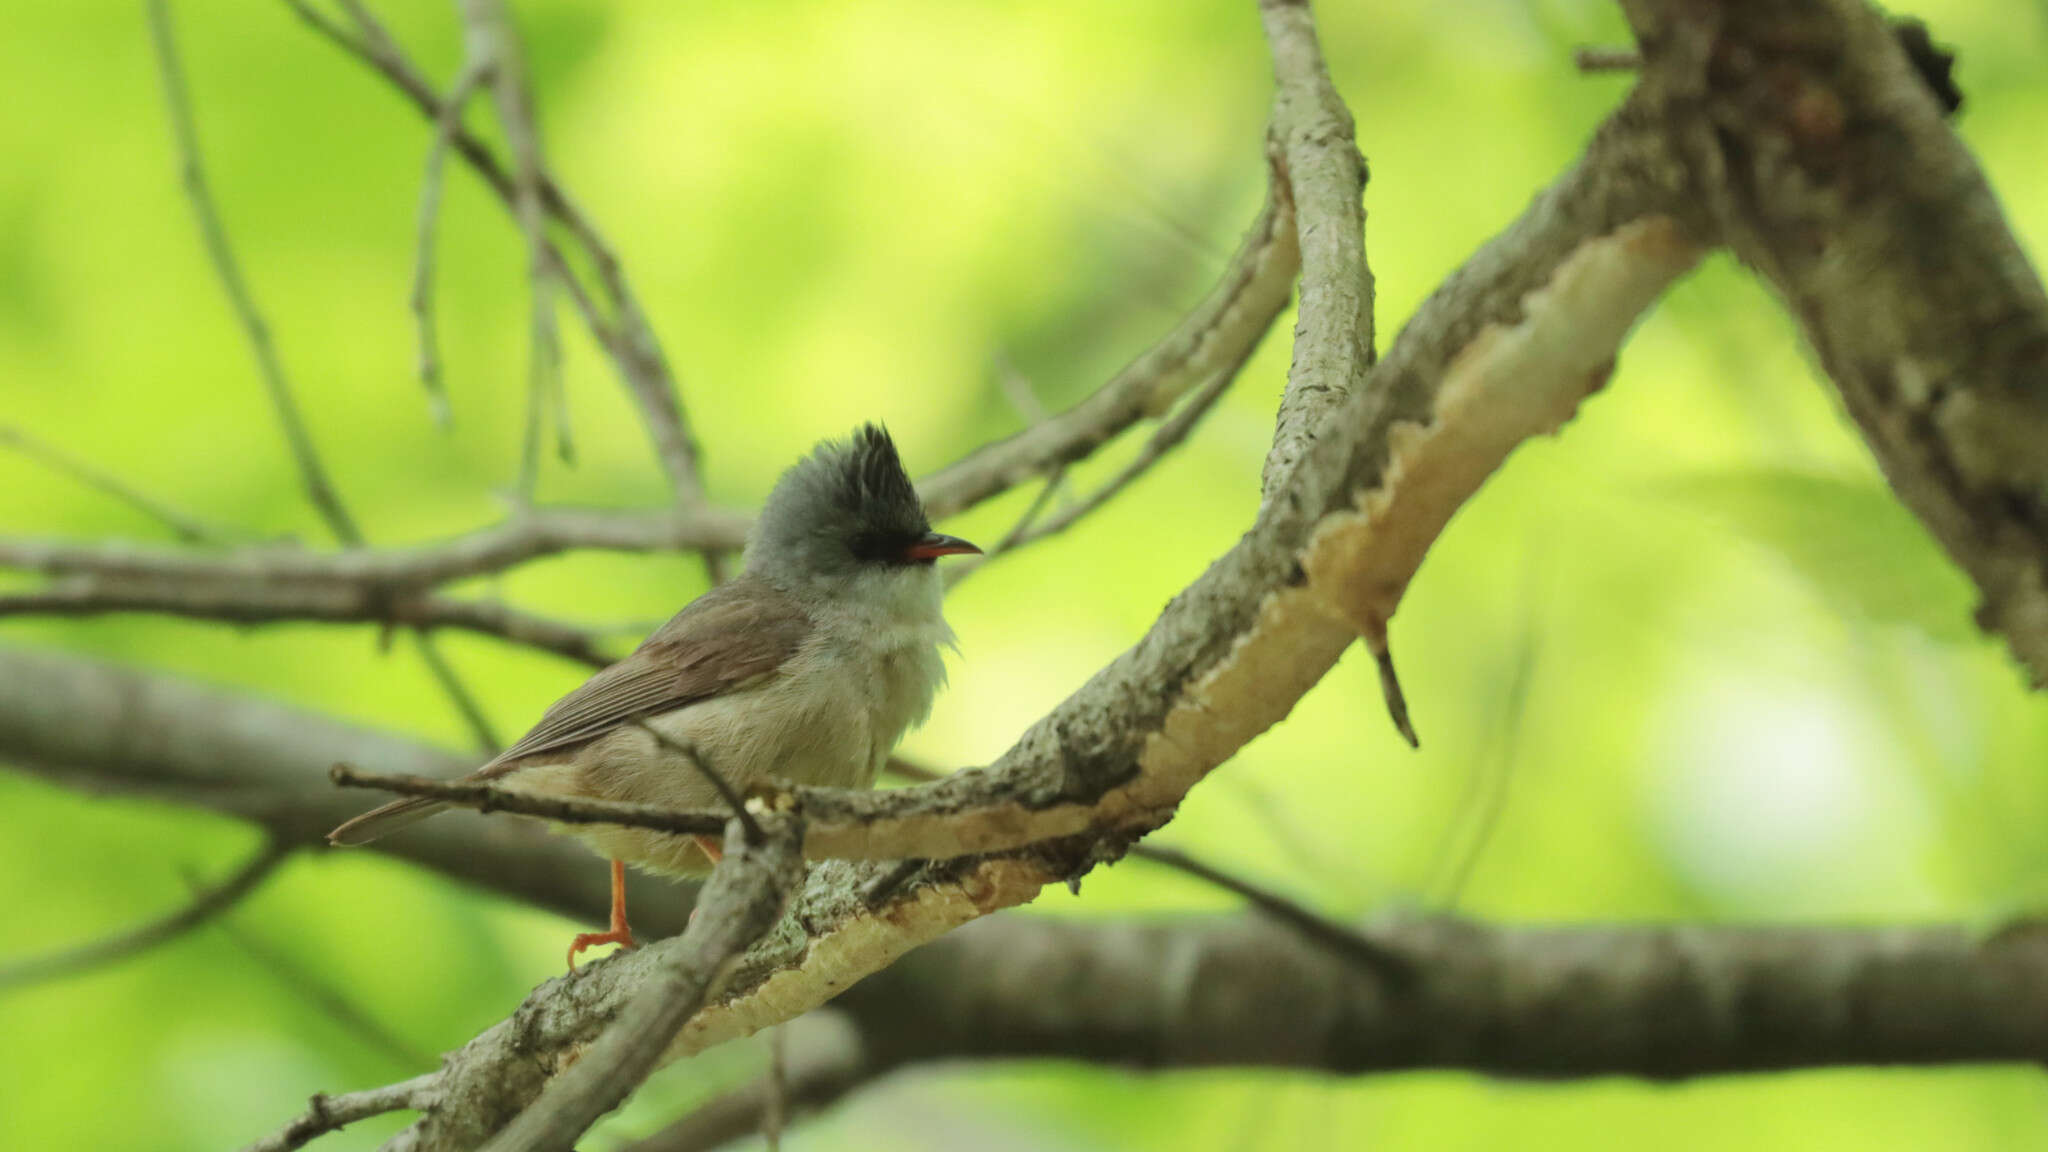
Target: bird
807, 668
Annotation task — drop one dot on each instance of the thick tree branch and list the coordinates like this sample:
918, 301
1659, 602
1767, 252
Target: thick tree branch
743, 901
1658, 1003
1544, 1002
1828, 166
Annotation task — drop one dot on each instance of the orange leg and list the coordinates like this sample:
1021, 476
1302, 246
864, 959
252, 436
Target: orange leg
619, 933
710, 847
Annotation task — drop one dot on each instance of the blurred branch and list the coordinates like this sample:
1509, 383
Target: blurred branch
246, 604
425, 320
491, 48
1391, 967
101, 729
819, 1072
203, 907
1218, 332
312, 474
1030, 528
528, 535
323, 997
1560, 1001
459, 694
625, 336
332, 1113
184, 527
1654, 1002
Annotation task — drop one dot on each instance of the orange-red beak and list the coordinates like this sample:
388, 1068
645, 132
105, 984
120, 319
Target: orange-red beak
936, 544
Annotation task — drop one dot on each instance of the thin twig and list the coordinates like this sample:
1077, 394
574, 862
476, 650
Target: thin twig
185, 136
1164, 439
326, 1113
252, 604
702, 764
561, 809
424, 314
819, 1074
458, 693
626, 337
186, 528
203, 907
1343, 941
1486, 791
330, 1001
531, 534
490, 43
1251, 292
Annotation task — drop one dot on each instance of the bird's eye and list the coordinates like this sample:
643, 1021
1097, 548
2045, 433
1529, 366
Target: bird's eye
884, 547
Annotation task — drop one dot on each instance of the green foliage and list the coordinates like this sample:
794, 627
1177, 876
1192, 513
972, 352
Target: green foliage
1752, 691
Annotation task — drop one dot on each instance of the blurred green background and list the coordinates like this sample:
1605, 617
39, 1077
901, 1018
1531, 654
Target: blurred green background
1691, 652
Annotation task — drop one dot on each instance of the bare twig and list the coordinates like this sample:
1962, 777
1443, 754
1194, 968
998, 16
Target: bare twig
561, 809
1487, 790
203, 907
328, 1000
250, 604
185, 527
332, 1113
742, 902
702, 763
531, 534
1164, 439
626, 337
820, 1071
1235, 314
1354, 946
458, 694
424, 315
312, 474
491, 45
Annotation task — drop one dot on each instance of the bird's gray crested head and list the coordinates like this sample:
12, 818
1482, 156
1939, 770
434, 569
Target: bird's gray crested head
848, 509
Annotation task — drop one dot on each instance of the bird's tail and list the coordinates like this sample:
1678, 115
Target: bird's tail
384, 821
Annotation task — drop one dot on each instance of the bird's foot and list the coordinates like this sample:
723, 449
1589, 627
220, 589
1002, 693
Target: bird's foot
621, 936
619, 933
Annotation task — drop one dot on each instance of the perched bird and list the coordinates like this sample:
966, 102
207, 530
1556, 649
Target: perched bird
807, 668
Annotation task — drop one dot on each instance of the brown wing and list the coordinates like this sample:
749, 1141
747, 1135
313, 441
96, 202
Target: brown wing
723, 639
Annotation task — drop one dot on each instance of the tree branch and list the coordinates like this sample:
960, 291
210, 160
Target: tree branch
1512, 1001
1827, 164
743, 901
312, 474
1319, 157
332, 1113
1658, 1003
